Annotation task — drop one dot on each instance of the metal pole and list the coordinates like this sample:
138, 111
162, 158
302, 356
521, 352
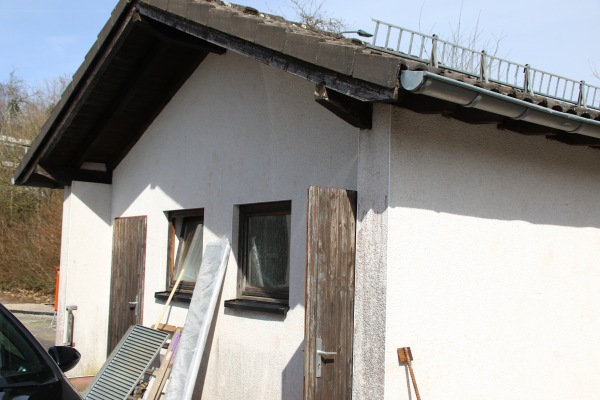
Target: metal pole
375, 34
434, 58
581, 97
483, 67
527, 80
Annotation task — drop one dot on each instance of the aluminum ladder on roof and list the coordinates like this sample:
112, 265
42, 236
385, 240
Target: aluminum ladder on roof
127, 364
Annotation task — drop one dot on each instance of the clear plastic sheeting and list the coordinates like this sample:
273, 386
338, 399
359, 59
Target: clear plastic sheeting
192, 252
198, 320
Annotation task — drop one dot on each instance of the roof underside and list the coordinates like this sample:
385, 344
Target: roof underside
139, 70
150, 47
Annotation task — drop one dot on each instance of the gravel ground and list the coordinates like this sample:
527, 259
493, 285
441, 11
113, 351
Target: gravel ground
40, 326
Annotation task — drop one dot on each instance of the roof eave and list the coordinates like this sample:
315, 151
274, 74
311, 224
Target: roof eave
348, 77
470, 96
48, 134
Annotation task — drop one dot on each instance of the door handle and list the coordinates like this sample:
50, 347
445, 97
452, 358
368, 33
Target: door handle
321, 355
325, 354
135, 304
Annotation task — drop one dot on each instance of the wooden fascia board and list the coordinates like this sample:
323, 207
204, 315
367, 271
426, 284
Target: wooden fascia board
61, 177
165, 34
40, 180
342, 83
65, 176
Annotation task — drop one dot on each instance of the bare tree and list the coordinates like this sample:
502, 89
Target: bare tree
312, 14
471, 38
30, 218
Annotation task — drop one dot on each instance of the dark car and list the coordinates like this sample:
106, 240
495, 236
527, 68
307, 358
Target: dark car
27, 371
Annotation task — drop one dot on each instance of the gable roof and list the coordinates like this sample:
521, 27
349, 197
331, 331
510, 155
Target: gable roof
149, 48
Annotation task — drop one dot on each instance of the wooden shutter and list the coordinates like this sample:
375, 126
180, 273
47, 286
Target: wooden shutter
331, 230
127, 278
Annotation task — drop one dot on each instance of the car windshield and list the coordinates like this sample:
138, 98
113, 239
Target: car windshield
20, 363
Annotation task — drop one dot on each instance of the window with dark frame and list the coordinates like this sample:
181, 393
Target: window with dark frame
185, 248
264, 251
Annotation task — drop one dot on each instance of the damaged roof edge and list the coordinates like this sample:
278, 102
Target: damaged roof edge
343, 66
467, 95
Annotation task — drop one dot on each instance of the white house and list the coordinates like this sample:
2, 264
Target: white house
408, 205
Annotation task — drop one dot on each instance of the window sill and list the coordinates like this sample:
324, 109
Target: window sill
260, 306
183, 297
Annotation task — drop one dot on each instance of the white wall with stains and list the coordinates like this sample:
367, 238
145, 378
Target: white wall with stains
86, 250
237, 132
373, 194
494, 242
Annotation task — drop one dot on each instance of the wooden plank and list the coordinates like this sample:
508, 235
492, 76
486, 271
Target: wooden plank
310, 293
323, 326
348, 262
165, 367
166, 328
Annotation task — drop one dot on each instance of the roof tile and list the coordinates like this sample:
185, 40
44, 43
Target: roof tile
199, 12
337, 57
376, 68
163, 4
220, 19
302, 46
178, 7
271, 36
245, 26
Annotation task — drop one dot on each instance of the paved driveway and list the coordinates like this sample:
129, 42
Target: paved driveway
38, 319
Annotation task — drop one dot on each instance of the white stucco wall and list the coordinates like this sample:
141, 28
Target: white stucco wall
238, 132
493, 253
85, 267
373, 182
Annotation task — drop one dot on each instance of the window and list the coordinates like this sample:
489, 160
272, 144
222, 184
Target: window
264, 251
185, 248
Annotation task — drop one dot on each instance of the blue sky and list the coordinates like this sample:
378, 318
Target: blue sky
44, 39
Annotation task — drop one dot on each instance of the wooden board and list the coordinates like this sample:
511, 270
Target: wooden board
165, 368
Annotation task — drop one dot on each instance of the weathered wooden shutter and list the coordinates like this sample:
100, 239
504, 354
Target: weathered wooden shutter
127, 278
329, 321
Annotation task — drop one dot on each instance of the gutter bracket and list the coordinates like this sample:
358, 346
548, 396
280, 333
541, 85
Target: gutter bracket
474, 102
523, 115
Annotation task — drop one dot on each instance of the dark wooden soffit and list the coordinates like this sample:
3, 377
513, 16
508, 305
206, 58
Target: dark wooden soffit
114, 98
429, 105
357, 113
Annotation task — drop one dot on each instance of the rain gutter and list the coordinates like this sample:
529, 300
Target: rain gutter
466, 95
